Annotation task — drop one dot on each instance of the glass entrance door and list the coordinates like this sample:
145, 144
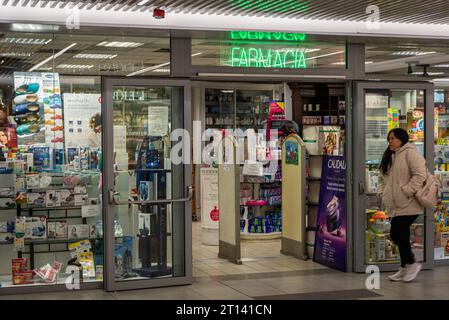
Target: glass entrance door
147, 213
379, 108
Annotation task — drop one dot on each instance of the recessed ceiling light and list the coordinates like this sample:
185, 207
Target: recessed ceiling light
94, 56
33, 27
441, 66
152, 68
15, 54
75, 66
429, 73
411, 53
341, 63
119, 44
162, 70
25, 41
52, 57
325, 55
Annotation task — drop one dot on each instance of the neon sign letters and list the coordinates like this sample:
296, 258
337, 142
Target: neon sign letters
267, 58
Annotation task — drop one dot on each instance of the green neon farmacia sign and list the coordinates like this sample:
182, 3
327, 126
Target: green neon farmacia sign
267, 58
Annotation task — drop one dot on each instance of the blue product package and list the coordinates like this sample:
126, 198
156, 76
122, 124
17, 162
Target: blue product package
251, 227
71, 153
242, 225
58, 157
41, 158
127, 254
144, 190
10, 226
93, 160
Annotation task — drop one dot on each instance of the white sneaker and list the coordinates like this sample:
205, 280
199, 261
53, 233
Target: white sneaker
398, 276
412, 271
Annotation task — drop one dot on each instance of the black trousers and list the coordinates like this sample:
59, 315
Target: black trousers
400, 234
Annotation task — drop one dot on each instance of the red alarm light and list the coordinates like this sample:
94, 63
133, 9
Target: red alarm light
159, 13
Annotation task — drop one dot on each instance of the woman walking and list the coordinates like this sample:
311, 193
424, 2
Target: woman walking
402, 172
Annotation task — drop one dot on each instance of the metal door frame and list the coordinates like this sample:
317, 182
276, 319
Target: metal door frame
358, 167
110, 284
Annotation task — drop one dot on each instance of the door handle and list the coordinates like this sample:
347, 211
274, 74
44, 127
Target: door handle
161, 201
361, 187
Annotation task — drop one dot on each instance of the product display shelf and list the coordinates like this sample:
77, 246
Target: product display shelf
6, 282
7, 209
260, 236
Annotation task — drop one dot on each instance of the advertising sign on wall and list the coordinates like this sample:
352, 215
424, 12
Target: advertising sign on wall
330, 238
82, 120
209, 197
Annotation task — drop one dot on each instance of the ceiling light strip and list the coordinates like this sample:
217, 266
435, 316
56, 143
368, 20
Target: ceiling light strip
284, 76
52, 57
155, 67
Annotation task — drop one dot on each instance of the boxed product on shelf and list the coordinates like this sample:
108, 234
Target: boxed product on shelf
311, 120
310, 138
442, 238
86, 259
51, 199
6, 236
23, 277
61, 229
20, 184
6, 226
66, 197
372, 180
36, 227
32, 181
57, 229
20, 273
329, 140
80, 199
36, 198
41, 158
51, 230
19, 264
78, 247
78, 231
92, 231
380, 246
444, 178
79, 190
322, 139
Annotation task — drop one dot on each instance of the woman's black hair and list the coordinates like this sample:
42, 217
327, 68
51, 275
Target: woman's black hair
401, 135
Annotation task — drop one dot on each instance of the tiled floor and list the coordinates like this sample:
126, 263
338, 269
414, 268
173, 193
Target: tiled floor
266, 274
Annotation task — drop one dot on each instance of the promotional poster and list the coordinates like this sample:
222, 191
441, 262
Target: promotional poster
330, 238
209, 199
82, 120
